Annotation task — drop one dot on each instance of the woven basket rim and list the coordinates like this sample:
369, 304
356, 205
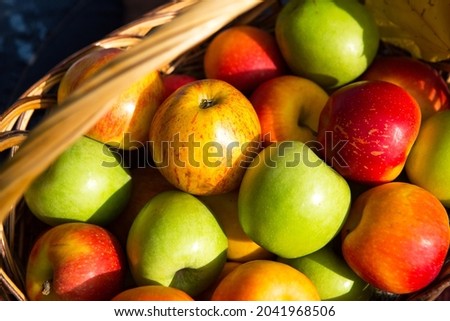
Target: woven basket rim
14, 122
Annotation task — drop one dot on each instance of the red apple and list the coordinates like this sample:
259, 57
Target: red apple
367, 129
172, 82
152, 293
396, 237
203, 136
244, 56
288, 108
75, 261
127, 122
422, 81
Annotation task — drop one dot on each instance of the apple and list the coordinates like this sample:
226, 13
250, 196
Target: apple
265, 280
288, 108
427, 163
331, 275
127, 122
85, 184
75, 261
203, 136
240, 247
147, 183
396, 237
244, 56
227, 268
152, 293
367, 129
176, 241
421, 80
290, 201
329, 42
172, 82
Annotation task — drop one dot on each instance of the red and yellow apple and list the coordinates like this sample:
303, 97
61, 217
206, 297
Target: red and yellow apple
152, 293
367, 129
75, 261
396, 237
244, 56
421, 80
203, 135
240, 247
126, 123
288, 108
265, 280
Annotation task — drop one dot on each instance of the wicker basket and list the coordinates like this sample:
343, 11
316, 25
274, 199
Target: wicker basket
19, 228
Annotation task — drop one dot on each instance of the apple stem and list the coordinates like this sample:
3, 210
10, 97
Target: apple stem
46, 287
206, 103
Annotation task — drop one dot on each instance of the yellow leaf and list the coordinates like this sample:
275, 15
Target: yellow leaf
422, 27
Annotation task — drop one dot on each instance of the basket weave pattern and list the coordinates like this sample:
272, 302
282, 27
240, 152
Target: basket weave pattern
19, 230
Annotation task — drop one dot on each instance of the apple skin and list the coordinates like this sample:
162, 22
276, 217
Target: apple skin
244, 56
427, 163
333, 278
176, 241
396, 237
85, 184
127, 122
265, 280
80, 261
240, 247
291, 202
367, 129
203, 136
172, 82
152, 293
422, 81
147, 183
227, 268
288, 108
329, 42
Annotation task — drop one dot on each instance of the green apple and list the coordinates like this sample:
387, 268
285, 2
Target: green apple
427, 163
85, 184
176, 241
331, 275
291, 202
329, 42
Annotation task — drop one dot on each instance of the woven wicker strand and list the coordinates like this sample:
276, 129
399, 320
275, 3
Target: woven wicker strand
75, 116
156, 41
168, 38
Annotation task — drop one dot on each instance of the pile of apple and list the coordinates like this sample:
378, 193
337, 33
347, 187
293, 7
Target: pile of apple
304, 165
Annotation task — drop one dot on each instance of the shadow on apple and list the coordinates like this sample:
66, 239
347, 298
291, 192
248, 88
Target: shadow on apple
195, 280
101, 287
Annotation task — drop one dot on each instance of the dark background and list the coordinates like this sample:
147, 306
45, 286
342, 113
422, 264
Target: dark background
35, 35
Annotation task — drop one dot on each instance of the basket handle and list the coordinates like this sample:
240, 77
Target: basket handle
87, 104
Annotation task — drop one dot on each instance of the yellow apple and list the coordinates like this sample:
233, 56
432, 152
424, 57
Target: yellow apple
240, 247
